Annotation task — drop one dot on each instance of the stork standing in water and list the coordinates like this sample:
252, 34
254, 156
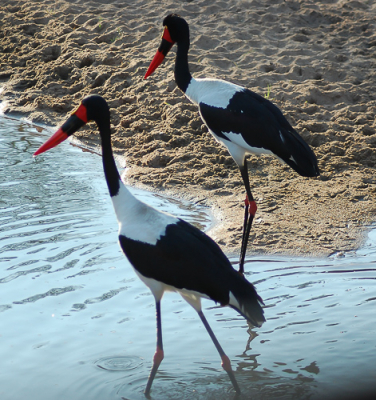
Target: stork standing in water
245, 122
167, 253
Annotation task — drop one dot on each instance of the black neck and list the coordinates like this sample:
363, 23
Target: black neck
111, 173
182, 74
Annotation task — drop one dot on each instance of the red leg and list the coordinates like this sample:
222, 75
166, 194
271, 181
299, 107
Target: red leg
252, 207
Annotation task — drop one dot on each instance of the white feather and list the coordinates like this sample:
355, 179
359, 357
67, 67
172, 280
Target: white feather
158, 288
213, 92
218, 93
238, 147
233, 302
137, 220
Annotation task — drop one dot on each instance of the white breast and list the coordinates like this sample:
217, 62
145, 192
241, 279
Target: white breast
137, 220
213, 92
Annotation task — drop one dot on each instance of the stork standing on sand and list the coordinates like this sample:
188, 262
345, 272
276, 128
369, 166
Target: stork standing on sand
245, 122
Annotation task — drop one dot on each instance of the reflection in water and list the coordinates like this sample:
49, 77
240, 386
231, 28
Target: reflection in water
77, 323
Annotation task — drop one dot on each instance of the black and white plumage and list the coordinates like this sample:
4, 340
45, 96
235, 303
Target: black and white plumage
167, 253
243, 121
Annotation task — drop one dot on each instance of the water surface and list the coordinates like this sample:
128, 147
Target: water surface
75, 321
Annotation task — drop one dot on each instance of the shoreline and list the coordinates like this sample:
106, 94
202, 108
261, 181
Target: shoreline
318, 62
221, 218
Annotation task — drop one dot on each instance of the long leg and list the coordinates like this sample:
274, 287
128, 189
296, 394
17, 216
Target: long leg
226, 364
249, 213
158, 356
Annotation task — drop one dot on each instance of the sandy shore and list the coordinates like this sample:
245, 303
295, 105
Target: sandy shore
316, 58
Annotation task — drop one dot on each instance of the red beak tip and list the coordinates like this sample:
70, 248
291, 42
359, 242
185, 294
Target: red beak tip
148, 73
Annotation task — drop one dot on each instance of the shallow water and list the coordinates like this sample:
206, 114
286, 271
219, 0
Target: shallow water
76, 323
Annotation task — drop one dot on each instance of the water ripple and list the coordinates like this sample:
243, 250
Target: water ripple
51, 292
58, 242
119, 363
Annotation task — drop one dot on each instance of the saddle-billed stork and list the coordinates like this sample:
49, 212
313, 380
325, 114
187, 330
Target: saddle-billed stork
245, 122
167, 253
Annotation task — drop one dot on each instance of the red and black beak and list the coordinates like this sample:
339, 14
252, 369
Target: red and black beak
77, 120
161, 53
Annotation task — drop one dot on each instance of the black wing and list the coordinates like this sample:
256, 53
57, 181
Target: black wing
262, 125
185, 258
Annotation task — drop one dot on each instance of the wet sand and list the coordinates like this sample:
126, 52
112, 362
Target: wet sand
316, 60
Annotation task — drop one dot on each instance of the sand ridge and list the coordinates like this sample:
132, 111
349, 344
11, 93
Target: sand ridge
314, 59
